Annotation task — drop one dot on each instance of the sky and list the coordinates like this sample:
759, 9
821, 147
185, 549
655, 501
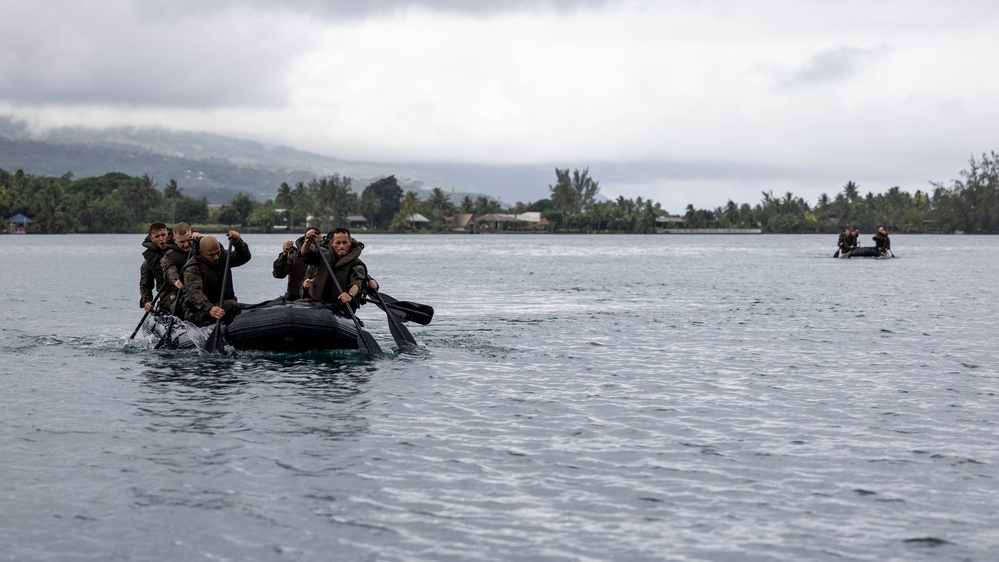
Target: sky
681, 101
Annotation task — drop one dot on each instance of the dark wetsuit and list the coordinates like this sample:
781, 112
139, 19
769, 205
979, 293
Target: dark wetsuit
172, 262
882, 243
349, 271
290, 264
841, 243
150, 272
203, 282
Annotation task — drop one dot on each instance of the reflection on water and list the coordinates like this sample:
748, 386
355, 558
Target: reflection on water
318, 394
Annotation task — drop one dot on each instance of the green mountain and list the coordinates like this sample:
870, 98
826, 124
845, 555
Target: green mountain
203, 164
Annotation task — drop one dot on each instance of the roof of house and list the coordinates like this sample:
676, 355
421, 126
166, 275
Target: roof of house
461, 220
496, 217
417, 217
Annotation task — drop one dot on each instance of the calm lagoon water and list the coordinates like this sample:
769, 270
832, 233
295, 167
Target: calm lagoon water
577, 398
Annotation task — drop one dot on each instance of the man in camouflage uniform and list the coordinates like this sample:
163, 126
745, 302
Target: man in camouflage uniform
882, 242
289, 264
177, 253
343, 254
203, 275
843, 239
150, 272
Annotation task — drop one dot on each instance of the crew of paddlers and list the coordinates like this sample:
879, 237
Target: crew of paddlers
189, 271
849, 237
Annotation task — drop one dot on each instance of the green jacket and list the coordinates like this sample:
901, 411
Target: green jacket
349, 271
203, 281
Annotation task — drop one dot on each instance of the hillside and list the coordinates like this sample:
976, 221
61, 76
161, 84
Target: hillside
203, 164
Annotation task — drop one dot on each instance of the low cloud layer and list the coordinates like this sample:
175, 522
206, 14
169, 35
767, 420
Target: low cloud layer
681, 101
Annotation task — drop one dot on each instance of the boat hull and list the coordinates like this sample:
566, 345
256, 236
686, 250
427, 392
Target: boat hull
865, 252
292, 326
281, 326
171, 332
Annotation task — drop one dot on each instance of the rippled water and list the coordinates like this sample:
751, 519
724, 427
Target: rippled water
577, 398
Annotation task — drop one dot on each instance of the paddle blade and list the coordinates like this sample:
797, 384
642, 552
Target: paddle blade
367, 344
406, 310
215, 343
836, 255
401, 335
412, 311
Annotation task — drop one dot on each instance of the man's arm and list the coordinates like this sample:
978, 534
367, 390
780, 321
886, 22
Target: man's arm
240, 251
146, 283
282, 265
170, 273
196, 298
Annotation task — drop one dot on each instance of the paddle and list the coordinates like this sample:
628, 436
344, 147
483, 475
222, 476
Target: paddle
836, 255
216, 342
146, 315
365, 342
406, 311
173, 320
181, 292
400, 333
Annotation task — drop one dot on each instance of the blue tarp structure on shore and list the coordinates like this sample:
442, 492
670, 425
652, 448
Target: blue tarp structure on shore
19, 219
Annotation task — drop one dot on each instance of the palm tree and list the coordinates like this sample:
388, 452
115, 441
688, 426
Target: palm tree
147, 181
439, 204
370, 205
646, 223
586, 189
301, 201
486, 206
286, 200
623, 209
409, 207
410, 204
333, 197
852, 191
731, 214
564, 196
173, 194
692, 217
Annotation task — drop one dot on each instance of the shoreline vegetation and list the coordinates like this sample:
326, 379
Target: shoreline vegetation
119, 203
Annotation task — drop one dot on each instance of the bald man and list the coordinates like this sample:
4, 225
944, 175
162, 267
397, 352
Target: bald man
203, 275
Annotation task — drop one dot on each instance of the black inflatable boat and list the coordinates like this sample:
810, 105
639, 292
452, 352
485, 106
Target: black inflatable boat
285, 326
865, 252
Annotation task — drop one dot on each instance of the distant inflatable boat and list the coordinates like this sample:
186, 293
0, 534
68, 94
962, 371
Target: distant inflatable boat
866, 252
284, 326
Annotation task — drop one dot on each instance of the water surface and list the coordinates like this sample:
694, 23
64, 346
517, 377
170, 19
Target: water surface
577, 398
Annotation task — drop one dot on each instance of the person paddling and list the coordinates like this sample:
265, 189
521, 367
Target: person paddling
151, 272
177, 253
343, 254
203, 277
290, 264
881, 241
841, 243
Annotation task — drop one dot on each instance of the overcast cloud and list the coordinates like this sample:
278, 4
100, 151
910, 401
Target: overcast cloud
682, 101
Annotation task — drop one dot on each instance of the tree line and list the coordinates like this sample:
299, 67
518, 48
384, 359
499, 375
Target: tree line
119, 203
969, 204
